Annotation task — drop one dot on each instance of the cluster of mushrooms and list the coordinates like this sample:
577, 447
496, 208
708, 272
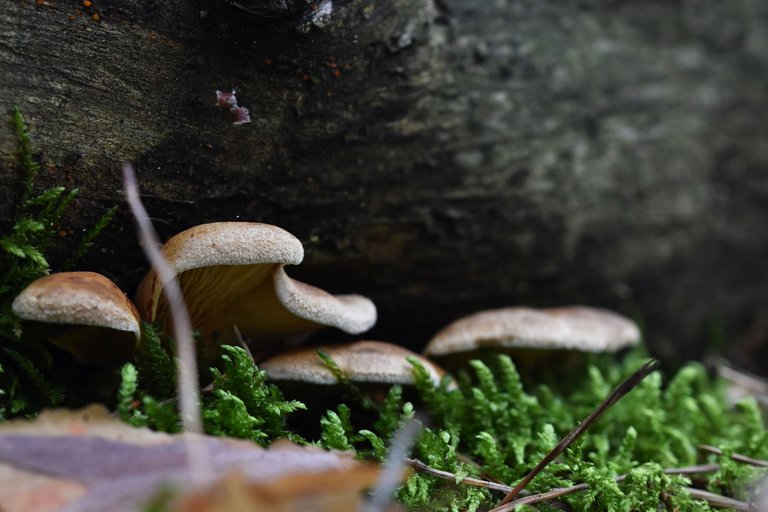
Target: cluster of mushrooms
233, 278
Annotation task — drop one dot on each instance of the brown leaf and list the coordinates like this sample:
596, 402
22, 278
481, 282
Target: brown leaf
334, 490
93, 420
24, 490
87, 461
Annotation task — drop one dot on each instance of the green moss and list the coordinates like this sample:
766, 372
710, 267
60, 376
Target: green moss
492, 427
27, 383
505, 429
238, 402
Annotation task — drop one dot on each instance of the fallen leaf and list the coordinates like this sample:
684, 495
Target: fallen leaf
93, 420
87, 461
334, 490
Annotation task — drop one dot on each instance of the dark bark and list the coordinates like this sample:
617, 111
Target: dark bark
439, 158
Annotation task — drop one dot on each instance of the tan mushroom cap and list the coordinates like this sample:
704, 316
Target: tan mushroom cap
87, 300
231, 274
232, 243
577, 328
363, 361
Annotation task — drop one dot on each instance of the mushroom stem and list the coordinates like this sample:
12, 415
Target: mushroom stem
186, 375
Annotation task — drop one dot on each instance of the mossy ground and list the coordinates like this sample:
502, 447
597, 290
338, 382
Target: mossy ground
492, 426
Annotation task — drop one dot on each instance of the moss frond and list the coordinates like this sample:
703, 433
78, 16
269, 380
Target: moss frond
27, 384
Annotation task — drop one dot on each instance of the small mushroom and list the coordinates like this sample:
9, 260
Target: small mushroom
364, 362
373, 366
83, 312
535, 333
231, 274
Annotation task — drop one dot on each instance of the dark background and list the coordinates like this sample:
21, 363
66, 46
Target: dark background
440, 157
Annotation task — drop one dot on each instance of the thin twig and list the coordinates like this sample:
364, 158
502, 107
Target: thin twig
717, 500
711, 498
466, 459
745, 380
753, 386
735, 456
615, 395
447, 475
555, 493
391, 473
186, 376
547, 496
242, 343
690, 470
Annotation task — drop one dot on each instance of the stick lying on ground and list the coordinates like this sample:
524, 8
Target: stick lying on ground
713, 499
615, 395
735, 456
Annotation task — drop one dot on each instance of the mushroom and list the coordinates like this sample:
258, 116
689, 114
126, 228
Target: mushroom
83, 312
535, 333
372, 366
231, 274
364, 362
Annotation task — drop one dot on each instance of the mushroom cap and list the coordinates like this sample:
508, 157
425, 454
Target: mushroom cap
231, 274
77, 298
362, 361
104, 324
351, 313
232, 243
579, 328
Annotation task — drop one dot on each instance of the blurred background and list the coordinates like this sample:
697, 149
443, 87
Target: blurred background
440, 157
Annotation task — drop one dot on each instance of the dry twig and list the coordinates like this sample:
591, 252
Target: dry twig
699, 494
717, 500
186, 376
447, 475
243, 344
392, 472
615, 395
713, 499
743, 384
735, 456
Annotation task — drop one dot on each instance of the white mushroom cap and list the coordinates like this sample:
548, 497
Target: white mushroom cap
362, 361
578, 328
231, 274
77, 298
232, 243
89, 301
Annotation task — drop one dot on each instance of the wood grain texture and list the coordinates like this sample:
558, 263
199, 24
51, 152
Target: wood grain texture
441, 158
